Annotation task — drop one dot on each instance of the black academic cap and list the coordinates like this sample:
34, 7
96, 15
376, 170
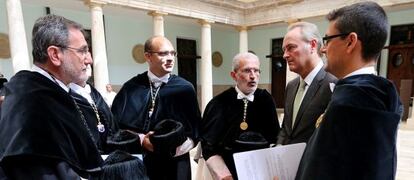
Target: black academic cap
168, 135
125, 140
123, 137
121, 165
250, 140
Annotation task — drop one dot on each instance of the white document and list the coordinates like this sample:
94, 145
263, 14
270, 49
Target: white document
264, 164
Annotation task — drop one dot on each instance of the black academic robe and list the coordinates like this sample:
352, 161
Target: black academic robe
42, 133
106, 118
357, 136
220, 126
176, 100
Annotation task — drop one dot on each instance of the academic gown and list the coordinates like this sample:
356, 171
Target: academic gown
220, 126
106, 118
357, 136
42, 133
176, 100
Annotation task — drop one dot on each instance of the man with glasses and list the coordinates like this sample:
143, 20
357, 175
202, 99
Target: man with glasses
356, 137
239, 119
307, 95
43, 134
153, 96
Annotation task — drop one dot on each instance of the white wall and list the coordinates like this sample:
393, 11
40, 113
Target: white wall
124, 31
122, 34
227, 43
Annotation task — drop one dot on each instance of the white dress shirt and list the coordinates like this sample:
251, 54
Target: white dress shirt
309, 78
83, 91
241, 95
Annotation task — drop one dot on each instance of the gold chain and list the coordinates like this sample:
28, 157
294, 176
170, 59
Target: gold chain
244, 125
153, 98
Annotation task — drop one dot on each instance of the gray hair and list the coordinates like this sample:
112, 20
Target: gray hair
308, 31
240, 56
50, 30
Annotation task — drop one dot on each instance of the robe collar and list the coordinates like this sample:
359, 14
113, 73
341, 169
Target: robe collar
241, 95
83, 91
49, 76
157, 81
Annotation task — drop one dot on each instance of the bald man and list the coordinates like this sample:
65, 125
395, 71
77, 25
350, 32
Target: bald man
153, 96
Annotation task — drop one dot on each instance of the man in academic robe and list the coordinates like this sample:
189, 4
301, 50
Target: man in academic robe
156, 95
307, 95
356, 137
43, 135
243, 109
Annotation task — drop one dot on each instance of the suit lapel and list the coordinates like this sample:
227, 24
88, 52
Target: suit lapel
313, 88
290, 99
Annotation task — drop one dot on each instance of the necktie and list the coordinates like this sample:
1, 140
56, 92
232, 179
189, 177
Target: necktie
298, 100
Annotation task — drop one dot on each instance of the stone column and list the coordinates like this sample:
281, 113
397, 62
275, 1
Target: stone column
100, 62
158, 21
206, 75
17, 36
243, 39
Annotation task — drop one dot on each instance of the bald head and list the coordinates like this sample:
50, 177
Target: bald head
154, 42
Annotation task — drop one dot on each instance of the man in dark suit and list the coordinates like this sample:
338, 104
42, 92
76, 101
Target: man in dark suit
307, 95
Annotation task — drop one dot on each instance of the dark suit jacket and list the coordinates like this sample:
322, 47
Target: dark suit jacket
313, 105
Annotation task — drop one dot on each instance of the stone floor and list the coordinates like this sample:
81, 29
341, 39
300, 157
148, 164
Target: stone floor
405, 148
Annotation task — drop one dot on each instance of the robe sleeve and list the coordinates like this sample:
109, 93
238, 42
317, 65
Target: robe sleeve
210, 130
24, 167
271, 128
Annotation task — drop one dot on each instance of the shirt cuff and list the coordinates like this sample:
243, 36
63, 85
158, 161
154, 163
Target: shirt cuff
141, 138
184, 148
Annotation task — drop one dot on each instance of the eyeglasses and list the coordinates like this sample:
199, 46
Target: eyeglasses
83, 51
164, 53
250, 70
327, 38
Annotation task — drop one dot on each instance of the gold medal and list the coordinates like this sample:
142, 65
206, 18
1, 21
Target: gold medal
243, 125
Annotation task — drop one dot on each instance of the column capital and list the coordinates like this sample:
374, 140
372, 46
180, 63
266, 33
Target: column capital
292, 20
243, 28
91, 3
205, 21
157, 13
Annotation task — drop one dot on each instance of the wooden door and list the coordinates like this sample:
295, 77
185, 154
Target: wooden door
186, 60
401, 64
278, 72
